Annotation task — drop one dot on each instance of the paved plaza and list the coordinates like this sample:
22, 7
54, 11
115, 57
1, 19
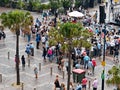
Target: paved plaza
45, 80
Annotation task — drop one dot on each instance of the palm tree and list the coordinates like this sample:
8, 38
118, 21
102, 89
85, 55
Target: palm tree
69, 35
15, 20
114, 76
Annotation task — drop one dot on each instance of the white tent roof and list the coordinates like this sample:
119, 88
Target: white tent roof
75, 14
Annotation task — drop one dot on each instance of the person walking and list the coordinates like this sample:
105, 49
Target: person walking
62, 86
36, 71
49, 53
93, 65
44, 53
23, 62
90, 65
95, 84
84, 83
28, 50
32, 49
78, 87
38, 38
116, 55
57, 83
86, 60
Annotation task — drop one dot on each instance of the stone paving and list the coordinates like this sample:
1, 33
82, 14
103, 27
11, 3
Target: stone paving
45, 81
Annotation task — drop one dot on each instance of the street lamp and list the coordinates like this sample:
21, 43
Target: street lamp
103, 62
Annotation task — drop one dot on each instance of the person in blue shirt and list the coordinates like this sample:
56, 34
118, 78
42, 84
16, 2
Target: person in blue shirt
79, 87
96, 31
32, 49
28, 50
38, 38
86, 60
99, 49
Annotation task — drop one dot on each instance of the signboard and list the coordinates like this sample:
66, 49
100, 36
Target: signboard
103, 63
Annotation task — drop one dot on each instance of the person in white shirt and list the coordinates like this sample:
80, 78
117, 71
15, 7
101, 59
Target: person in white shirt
95, 84
43, 39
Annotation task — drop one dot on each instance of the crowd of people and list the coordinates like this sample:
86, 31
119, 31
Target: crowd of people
83, 58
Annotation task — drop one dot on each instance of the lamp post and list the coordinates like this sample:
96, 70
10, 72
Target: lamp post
103, 62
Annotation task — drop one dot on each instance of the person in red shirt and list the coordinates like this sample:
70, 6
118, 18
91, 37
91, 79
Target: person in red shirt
84, 83
94, 64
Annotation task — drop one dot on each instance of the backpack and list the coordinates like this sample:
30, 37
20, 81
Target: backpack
94, 63
4, 35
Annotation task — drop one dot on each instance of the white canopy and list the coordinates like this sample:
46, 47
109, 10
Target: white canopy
75, 14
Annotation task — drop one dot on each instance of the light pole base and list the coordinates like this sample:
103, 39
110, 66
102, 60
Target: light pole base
17, 86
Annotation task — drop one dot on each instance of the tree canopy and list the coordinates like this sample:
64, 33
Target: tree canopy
114, 76
16, 19
75, 33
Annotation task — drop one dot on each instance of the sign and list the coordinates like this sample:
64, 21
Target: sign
115, 1
103, 63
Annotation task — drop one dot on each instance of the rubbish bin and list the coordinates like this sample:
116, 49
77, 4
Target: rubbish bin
78, 75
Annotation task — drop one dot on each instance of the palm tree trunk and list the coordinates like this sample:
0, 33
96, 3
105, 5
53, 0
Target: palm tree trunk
17, 57
69, 68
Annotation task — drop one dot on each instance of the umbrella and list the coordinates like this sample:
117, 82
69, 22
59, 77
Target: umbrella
75, 14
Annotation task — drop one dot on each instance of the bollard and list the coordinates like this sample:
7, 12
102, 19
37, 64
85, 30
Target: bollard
39, 66
34, 88
28, 62
51, 71
63, 74
0, 77
89, 84
22, 86
8, 55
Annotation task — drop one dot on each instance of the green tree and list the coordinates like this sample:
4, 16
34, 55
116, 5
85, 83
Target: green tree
66, 4
20, 4
34, 5
4, 2
54, 4
78, 3
15, 20
114, 76
70, 35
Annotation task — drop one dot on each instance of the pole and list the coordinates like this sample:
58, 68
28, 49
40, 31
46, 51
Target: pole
28, 62
0, 77
22, 87
63, 74
103, 73
51, 71
8, 55
39, 66
109, 13
89, 85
